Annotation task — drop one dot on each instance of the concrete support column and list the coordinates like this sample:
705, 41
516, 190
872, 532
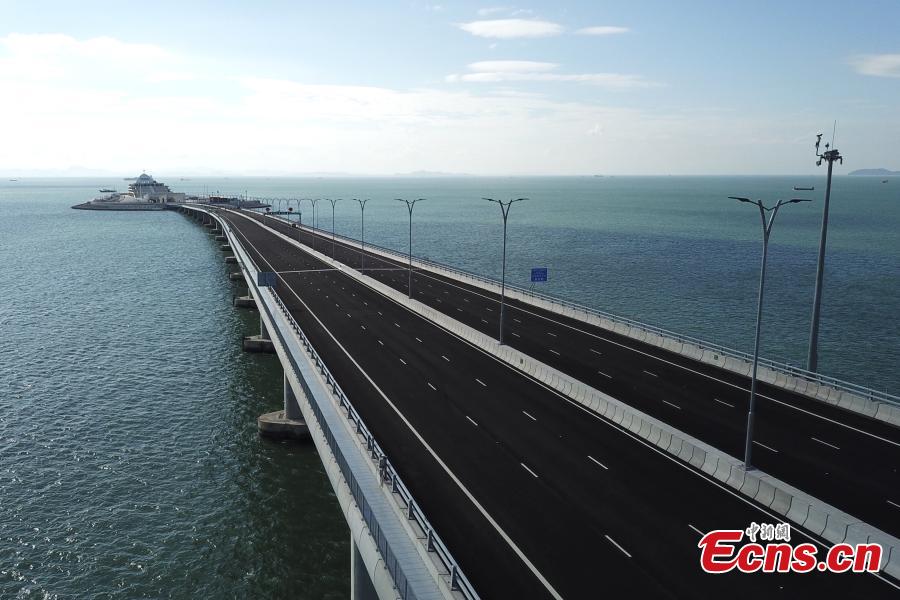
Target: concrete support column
263, 332
291, 408
361, 587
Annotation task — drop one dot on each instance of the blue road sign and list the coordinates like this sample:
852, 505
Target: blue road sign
266, 279
539, 274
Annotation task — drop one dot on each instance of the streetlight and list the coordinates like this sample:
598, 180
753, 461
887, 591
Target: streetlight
362, 214
504, 208
767, 229
333, 202
315, 220
410, 204
812, 360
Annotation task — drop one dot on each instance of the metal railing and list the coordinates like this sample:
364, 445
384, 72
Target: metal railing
725, 351
387, 473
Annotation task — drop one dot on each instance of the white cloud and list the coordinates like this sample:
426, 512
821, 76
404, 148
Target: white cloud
877, 65
512, 66
602, 30
493, 10
506, 29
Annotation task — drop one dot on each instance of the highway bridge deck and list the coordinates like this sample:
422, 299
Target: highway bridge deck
535, 496
843, 458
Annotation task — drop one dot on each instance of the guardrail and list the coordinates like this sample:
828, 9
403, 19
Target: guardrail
458, 581
787, 368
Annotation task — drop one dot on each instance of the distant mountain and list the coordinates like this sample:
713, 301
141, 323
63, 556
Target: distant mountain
875, 173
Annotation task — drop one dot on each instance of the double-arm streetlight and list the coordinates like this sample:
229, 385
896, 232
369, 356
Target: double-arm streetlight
362, 214
504, 208
767, 230
410, 204
333, 202
315, 219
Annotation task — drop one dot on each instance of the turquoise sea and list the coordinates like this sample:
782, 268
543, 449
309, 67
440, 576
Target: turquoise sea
130, 466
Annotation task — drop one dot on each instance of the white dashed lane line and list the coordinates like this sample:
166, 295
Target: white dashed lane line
604, 374
723, 402
431, 386
380, 342
673, 405
825, 443
697, 530
616, 544
403, 361
766, 447
554, 351
552, 334
596, 352
445, 358
524, 466
418, 340
594, 460
893, 504
529, 416
650, 373
481, 382
471, 421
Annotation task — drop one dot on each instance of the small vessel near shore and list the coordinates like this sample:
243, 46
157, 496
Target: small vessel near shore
107, 191
144, 194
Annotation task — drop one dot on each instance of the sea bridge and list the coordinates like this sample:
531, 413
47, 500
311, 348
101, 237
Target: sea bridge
585, 456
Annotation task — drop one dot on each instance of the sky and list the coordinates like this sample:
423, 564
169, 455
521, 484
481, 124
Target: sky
378, 88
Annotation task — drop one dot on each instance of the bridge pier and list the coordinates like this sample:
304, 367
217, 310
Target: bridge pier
236, 276
361, 586
244, 301
287, 423
259, 343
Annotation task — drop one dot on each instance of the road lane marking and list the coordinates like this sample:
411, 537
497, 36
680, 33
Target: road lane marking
431, 386
483, 321
651, 373
363, 327
893, 504
380, 342
529, 416
551, 333
616, 544
471, 421
723, 402
403, 361
554, 351
445, 358
517, 321
515, 334
524, 466
397, 324
766, 447
481, 382
605, 375
670, 404
596, 352
488, 309
825, 443
598, 462
418, 340
697, 530
380, 314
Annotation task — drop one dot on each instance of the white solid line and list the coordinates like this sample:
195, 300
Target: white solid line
605, 375
826, 443
596, 351
529, 416
524, 466
431, 386
445, 358
651, 373
723, 402
766, 447
697, 530
614, 543
481, 382
473, 422
554, 351
598, 462
670, 404
893, 503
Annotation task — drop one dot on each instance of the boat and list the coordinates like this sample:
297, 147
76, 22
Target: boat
145, 193
107, 191
884, 181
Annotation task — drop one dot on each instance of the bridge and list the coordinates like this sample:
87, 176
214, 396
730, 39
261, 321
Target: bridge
585, 457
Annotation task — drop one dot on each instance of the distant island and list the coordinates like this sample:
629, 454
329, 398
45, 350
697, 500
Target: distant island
875, 173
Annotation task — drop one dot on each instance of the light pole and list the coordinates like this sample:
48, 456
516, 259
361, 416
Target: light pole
315, 220
812, 360
767, 229
362, 215
333, 202
410, 204
504, 208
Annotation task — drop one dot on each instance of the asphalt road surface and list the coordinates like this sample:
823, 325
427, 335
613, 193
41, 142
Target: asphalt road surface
846, 459
534, 495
